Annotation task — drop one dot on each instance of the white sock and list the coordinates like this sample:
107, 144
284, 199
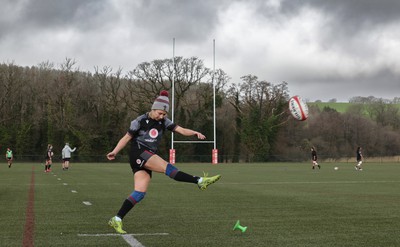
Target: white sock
117, 218
200, 180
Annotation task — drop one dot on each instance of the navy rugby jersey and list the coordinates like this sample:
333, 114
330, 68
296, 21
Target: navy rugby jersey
148, 132
314, 155
359, 155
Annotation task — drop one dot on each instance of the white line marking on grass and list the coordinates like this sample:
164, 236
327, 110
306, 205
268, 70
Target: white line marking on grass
132, 241
87, 203
310, 182
58, 178
117, 234
127, 237
74, 191
65, 184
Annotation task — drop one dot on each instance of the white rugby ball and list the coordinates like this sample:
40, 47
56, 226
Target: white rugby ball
298, 108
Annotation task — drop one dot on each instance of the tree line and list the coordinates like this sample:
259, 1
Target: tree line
57, 104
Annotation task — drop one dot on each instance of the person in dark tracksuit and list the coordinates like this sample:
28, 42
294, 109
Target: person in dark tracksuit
49, 158
314, 158
360, 159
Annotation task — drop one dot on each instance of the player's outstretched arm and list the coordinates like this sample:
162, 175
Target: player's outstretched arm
189, 132
121, 144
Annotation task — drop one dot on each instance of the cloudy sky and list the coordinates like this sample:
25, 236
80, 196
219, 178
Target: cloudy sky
323, 49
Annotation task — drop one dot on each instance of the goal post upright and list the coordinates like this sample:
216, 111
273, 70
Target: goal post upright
215, 150
172, 150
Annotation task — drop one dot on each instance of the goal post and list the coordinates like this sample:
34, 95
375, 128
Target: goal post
172, 151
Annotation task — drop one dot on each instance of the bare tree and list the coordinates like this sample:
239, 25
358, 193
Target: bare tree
262, 111
149, 78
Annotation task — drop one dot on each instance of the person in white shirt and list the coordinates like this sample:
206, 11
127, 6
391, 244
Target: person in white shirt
66, 156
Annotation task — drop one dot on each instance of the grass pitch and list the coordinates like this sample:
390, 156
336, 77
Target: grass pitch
282, 204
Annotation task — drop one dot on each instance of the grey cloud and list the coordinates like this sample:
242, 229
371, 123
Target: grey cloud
349, 17
344, 39
189, 21
382, 84
50, 14
353, 12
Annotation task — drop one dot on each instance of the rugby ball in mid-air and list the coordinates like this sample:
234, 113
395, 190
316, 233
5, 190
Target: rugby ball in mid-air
298, 108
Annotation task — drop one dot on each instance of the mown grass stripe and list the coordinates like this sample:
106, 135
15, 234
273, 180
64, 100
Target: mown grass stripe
30, 215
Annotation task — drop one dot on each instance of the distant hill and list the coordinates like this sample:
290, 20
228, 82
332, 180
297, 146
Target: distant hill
338, 106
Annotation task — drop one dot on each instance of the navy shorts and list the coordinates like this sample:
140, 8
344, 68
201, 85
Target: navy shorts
138, 158
66, 159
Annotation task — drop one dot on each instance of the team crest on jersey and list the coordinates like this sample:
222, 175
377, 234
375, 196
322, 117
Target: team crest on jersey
153, 133
138, 161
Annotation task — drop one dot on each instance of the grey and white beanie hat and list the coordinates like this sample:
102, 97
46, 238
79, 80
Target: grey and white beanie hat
161, 102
